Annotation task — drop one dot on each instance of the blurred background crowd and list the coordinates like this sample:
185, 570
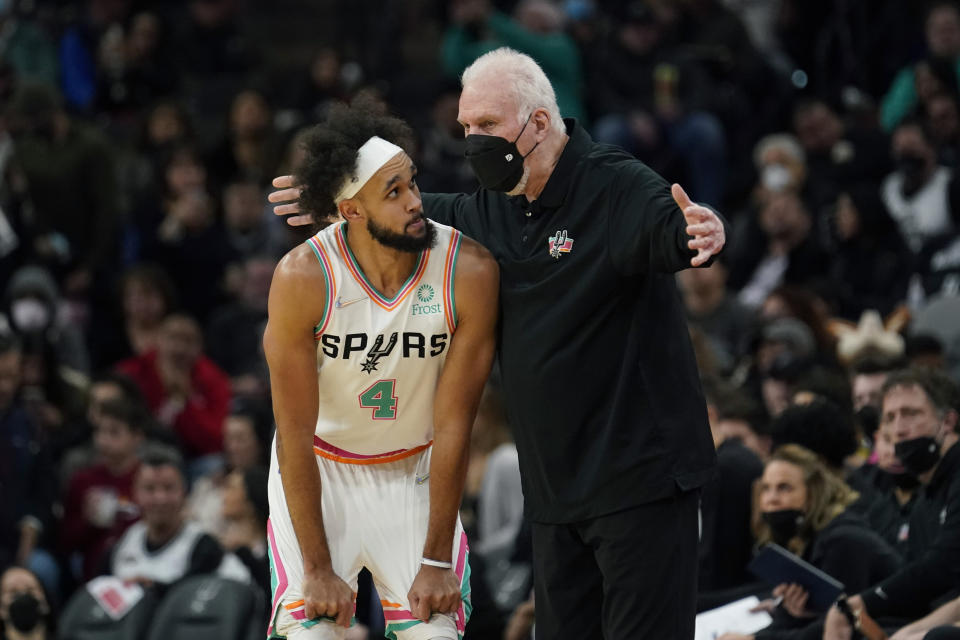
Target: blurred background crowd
138, 139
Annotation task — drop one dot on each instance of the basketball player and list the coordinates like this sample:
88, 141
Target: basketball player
379, 341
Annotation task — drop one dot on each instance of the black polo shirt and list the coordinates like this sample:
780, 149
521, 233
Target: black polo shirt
599, 377
933, 548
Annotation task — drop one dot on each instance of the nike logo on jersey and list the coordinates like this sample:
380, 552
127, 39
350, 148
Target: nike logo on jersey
341, 303
422, 479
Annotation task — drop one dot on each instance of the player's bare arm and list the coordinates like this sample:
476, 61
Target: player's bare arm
476, 288
296, 303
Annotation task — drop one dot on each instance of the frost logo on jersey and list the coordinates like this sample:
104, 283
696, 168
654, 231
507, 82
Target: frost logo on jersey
378, 351
559, 243
425, 293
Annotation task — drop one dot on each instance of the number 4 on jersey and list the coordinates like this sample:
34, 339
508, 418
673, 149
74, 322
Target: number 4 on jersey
380, 397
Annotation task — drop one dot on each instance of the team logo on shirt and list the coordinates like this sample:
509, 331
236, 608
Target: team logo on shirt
559, 243
378, 351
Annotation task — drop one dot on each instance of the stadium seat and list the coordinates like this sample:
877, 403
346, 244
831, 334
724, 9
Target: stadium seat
209, 607
84, 619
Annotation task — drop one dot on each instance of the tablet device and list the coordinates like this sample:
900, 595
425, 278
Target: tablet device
776, 565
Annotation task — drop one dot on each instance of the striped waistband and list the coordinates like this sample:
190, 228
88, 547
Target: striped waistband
330, 452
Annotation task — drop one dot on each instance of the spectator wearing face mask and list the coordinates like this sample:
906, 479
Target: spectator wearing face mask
801, 506
781, 165
25, 611
55, 358
919, 406
32, 308
922, 197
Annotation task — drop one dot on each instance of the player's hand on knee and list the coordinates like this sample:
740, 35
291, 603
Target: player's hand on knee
287, 201
434, 590
327, 595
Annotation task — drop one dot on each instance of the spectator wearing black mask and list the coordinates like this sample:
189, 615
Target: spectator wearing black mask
922, 197
802, 506
25, 611
895, 492
919, 406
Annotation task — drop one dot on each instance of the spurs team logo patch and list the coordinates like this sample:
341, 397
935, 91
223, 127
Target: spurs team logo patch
559, 243
378, 351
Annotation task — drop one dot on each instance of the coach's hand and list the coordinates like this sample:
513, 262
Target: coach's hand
326, 595
434, 590
288, 193
702, 223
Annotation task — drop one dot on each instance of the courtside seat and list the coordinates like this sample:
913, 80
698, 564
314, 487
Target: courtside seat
209, 607
84, 619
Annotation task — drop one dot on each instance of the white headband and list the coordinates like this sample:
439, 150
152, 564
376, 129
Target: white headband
374, 153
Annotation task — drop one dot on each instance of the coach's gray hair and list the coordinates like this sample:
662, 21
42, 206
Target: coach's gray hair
532, 90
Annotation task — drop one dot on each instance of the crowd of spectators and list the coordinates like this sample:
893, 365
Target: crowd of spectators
138, 140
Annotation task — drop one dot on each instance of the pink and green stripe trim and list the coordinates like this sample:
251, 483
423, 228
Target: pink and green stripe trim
401, 619
330, 285
449, 273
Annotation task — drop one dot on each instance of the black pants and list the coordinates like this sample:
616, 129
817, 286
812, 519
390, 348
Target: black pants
943, 633
630, 575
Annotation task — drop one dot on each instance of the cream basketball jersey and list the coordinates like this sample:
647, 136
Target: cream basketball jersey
379, 358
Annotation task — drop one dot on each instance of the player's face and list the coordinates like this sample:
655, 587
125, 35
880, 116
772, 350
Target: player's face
394, 211
782, 487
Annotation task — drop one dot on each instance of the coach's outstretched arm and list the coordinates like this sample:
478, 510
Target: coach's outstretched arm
465, 372
291, 351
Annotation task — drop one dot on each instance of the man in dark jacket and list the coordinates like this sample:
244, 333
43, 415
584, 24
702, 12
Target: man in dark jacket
921, 408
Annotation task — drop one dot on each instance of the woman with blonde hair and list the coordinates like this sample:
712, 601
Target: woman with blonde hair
802, 506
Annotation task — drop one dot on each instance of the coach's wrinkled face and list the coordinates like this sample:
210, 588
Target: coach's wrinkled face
391, 205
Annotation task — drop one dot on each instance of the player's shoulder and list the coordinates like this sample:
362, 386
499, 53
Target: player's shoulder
475, 253
299, 271
301, 262
476, 263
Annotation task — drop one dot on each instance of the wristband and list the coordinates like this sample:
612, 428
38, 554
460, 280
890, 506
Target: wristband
436, 563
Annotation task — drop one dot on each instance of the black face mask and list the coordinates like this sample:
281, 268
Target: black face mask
497, 161
784, 524
918, 455
904, 480
25, 613
868, 417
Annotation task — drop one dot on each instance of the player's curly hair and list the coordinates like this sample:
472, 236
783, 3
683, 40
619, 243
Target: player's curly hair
331, 151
